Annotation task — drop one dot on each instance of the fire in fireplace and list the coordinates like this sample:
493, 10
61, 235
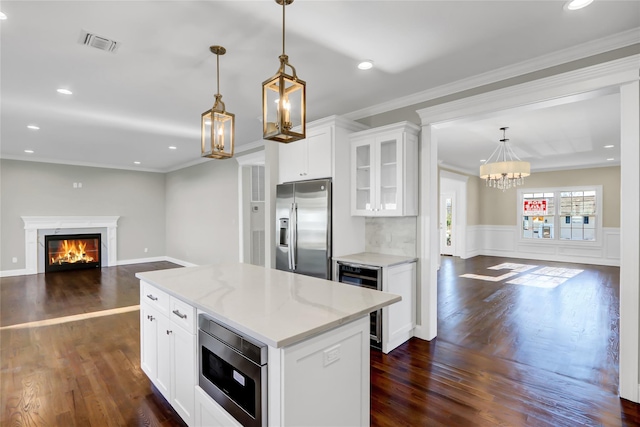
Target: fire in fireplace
71, 252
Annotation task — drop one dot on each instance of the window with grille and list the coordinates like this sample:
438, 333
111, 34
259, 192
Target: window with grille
561, 213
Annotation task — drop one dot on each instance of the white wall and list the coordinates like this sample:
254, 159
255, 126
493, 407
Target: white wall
504, 241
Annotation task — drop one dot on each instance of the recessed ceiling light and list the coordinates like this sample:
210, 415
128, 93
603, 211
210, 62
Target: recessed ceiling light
28, 151
2, 16
65, 91
609, 146
610, 158
367, 64
33, 127
136, 162
172, 148
578, 4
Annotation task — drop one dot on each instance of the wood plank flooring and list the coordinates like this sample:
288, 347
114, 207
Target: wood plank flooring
506, 355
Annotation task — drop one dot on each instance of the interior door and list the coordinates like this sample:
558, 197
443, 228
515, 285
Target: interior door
446, 224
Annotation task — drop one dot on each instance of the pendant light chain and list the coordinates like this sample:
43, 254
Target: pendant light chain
218, 74
283, 23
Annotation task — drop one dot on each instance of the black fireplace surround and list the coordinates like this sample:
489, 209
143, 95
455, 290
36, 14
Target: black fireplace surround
71, 252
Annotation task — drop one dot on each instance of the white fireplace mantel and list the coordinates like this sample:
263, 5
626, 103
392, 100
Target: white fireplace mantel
34, 223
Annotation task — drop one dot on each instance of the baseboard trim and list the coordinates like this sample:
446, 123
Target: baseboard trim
10, 273
25, 272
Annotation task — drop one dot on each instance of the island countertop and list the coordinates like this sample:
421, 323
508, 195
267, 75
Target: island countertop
275, 307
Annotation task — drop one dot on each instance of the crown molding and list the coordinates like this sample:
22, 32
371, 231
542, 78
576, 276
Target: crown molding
596, 77
605, 44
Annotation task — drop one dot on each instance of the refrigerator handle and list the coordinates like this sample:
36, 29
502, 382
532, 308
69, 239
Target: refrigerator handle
293, 243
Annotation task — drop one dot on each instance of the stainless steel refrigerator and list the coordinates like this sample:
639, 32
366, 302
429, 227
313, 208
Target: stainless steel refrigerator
303, 228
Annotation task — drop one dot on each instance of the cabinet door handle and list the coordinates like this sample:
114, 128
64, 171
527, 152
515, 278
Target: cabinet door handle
169, 332
150, 318
180, 315
152, 298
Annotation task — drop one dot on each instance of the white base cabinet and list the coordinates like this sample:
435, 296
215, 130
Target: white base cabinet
322, 381
399, 319
168, 348
208, 413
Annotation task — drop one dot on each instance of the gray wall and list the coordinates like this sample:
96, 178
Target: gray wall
44, 189
202, 213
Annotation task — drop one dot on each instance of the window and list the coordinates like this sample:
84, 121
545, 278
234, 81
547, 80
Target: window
538, 217
561, 213
577, 215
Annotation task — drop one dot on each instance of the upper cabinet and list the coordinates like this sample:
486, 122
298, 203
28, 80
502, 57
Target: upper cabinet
384, 171
309, 158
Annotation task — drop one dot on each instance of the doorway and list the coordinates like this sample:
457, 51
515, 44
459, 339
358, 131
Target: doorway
447, 218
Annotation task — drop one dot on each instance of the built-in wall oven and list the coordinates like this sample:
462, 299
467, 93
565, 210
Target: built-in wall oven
368, 277
233, 371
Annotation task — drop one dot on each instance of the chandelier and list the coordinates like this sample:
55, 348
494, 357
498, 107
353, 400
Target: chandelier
284, 99
504, 169
218, 125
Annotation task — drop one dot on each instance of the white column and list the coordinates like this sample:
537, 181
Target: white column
112, 251
270, 182
428, 235
31, 250
630, 241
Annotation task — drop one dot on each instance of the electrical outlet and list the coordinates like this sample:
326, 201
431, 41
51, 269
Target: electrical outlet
331, 355
14, 259
75, 185
79, 185
146, 249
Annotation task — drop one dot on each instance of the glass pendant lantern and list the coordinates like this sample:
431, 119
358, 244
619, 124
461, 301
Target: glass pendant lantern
284, 99
217, 124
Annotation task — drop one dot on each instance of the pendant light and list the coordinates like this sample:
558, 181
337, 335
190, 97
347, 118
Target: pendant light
218, 125
284, 99
503, 169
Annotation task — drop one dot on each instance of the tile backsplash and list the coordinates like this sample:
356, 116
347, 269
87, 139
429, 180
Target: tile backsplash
392, 236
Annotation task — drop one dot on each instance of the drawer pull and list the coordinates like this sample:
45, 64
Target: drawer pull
152, 298
180, 315
150, 318
169, 332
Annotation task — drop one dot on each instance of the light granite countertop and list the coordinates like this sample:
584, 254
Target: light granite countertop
275, 307
375, 259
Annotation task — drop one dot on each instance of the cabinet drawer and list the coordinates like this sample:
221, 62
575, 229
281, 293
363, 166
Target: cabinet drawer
183, 314
154, 297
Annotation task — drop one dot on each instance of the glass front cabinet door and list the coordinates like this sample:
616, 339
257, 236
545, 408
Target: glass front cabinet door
384, 172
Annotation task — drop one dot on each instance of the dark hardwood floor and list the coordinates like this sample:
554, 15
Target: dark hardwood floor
506, 355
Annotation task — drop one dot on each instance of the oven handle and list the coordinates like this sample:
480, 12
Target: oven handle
362, 266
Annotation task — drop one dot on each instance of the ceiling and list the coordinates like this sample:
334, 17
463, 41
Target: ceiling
133, 104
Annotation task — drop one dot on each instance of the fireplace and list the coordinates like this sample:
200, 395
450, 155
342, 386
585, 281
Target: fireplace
71, 252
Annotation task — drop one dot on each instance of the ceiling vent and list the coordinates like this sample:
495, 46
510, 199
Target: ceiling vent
98, 42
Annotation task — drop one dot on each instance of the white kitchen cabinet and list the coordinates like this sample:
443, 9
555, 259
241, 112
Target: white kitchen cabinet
309, 158
399, 319
209, 413
167, 348
320, 381
384, 171
324, 381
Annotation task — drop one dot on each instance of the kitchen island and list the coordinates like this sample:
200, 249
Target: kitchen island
317, 333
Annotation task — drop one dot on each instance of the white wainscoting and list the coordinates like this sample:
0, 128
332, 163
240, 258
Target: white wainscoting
504, 241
